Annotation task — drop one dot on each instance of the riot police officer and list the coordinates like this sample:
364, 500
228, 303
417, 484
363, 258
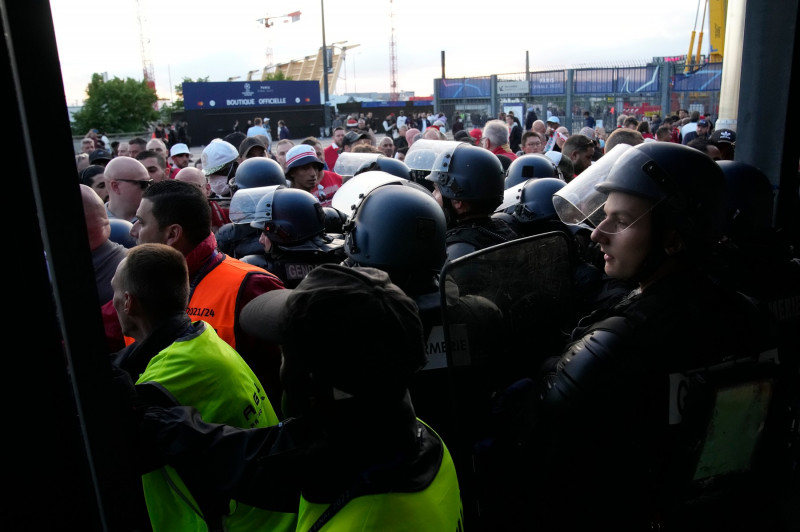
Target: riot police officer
238, 238
627, 429
293, 237
529, 210
468, 184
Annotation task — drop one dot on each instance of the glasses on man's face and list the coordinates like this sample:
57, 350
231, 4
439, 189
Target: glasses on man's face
144, 184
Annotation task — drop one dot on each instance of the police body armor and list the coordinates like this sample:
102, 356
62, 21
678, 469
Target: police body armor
292, 263
239, 240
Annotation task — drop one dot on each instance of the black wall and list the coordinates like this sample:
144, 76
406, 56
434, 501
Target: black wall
205, 125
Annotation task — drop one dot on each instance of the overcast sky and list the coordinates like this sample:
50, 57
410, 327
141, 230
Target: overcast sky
223, 38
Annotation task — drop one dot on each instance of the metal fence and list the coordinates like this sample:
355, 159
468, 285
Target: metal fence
641, 90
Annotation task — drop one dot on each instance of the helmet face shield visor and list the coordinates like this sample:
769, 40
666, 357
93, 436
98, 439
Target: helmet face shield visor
263, 210
579, 202
618, 221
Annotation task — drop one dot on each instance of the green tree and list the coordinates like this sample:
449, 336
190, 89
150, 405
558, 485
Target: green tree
116, 106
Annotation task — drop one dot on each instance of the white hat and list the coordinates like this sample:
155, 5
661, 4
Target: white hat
553, 119
179, 149
554, 156
217, 154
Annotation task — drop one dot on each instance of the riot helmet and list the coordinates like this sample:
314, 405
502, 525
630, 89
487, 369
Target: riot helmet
334, 220
536, 200
468, 173
258, 172
289, 216
685, 187
750, 199
386, 164
527, 166
244, 203
121, 232
397, 228
351, 192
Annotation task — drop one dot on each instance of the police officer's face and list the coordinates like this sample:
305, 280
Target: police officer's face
625, 234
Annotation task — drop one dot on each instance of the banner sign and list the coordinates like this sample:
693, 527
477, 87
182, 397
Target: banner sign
512, 87
465, 88
553, 82
708, 78
244, 94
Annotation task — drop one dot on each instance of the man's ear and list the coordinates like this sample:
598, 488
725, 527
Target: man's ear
173, 234
129, 303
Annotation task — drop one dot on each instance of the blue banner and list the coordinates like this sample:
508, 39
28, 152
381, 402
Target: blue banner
465, 88
594, 80
638, 79
553, 82
708, 78
244, 94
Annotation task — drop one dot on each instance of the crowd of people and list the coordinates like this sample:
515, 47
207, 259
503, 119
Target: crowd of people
273, 342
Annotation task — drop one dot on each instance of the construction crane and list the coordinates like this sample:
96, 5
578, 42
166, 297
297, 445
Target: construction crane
147, 64
268, 22
393, 57
717, 13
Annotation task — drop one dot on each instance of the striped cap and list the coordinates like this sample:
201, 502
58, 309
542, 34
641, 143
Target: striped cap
301, 155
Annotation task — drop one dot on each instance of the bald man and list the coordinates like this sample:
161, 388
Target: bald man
411, 134
539, 126
194, 176
158, 146
106, 255
126, 179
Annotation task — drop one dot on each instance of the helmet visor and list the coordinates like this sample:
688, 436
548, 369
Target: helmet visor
579, 202
244, 202
353, 191
423, 153
263, 210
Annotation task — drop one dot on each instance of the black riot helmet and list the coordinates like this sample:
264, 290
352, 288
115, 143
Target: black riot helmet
121, 232
334, 220
386, 164
535, 202
750, 199
686, 187
527, 166
468, 173
258, 172
397, 227
289, 216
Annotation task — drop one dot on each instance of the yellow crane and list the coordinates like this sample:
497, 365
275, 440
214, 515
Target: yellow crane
717, 12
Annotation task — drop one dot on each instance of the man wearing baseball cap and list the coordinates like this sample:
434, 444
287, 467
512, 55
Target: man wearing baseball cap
181, 157
701, 131
353, 452
219, 160
725, 140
